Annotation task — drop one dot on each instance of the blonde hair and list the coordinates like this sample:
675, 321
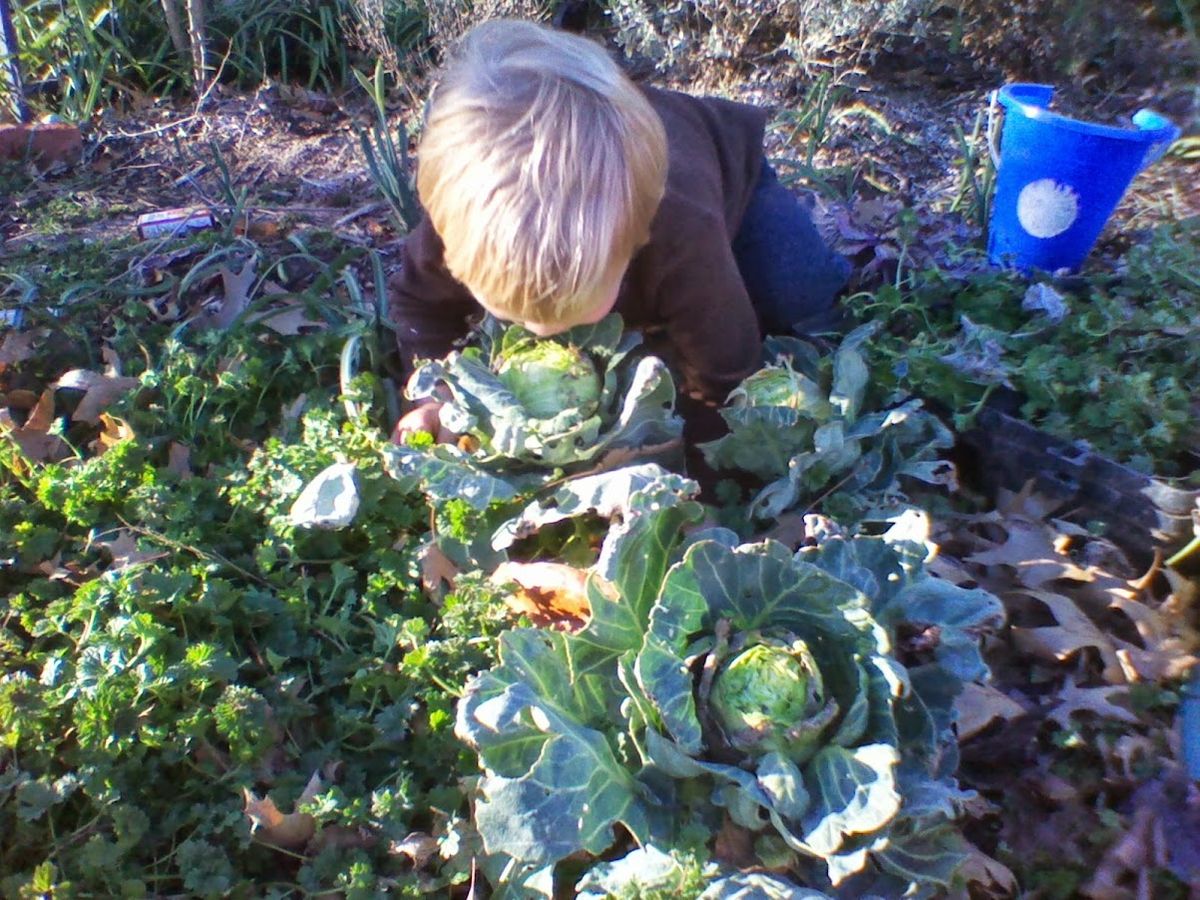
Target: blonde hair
541, 167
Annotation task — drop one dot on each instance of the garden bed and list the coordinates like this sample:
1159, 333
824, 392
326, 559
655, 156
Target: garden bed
248, 647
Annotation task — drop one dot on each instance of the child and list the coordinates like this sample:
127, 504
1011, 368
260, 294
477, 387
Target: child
556, 191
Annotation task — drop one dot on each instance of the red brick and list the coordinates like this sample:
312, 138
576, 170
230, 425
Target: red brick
46, 145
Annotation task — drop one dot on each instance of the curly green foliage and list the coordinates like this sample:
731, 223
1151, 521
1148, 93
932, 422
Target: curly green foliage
223, 648
1123, 353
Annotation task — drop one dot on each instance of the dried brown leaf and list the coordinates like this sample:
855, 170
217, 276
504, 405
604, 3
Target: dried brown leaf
1128, 749
289, 320
292, 412
1026, 503
287, 830
1097, 700
42, 415
1029, 549
17, 347
179, 459
1074, 632
101, 391
112, 432
988, 877
125, 552
21, 399
37, 444
979, 705
237, 287
418, 846
552, 595
438, 571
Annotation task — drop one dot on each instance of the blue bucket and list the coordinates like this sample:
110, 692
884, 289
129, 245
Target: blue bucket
1059, 179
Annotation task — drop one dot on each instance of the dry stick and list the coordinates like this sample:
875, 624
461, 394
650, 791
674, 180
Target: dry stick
175, 25
195, 13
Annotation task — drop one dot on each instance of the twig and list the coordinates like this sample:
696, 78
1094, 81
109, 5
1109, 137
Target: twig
365, 210
195, 551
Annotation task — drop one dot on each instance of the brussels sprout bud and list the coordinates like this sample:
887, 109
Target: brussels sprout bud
548, 378
770, 697
782, 386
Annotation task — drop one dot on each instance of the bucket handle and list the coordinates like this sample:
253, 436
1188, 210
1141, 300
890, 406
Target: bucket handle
993, 103
1164, 130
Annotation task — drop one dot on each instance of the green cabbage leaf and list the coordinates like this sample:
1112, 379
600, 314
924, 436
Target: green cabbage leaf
800, 425
726, 687
559, 402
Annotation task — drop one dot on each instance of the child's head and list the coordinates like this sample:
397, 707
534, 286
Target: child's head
541, 167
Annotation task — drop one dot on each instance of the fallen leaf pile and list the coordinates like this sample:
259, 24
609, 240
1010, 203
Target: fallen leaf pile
1073, 746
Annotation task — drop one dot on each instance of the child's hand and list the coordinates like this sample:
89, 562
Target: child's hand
423, 418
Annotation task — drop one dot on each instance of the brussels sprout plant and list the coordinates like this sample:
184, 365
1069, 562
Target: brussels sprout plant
535, 415
799, 425
548, 378
527, 404
722, 688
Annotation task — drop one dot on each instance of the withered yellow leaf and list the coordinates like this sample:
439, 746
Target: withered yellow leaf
287, 830
552, 595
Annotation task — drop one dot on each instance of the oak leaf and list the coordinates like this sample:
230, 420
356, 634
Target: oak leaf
34, 438
1075, 631
125, 552
438, 571
289, 320
551, 595
1096, 700
979, 705
17, 347
418, 846
988, 877
287, 830
112, 432
100, 391
179, 460
1031, 551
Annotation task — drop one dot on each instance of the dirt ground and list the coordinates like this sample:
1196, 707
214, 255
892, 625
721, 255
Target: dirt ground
295, 153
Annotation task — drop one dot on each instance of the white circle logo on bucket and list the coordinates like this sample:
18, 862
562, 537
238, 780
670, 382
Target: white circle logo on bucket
1046, 208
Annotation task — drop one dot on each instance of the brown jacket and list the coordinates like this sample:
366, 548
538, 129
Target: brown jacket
683, 286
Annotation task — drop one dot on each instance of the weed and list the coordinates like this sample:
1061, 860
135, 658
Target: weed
1124, 350
977, 173
387, 158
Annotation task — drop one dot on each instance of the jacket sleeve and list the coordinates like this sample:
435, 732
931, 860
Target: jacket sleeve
707, 315
429, 308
